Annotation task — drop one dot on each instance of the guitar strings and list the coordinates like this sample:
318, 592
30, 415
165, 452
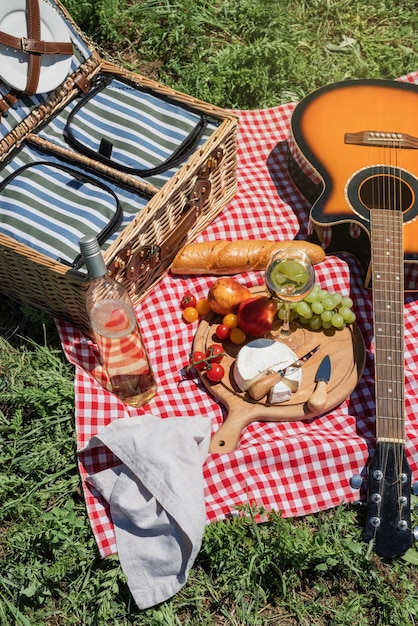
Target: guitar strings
387, 187
400, 392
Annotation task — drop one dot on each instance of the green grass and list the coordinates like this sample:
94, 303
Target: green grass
247, 54
312, 571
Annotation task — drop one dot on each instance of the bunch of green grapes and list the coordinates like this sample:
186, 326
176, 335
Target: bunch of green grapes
323, 309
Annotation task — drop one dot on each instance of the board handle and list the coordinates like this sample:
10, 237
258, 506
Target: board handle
227, 437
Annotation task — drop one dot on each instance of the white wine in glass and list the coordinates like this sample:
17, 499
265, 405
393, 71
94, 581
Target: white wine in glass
290, 277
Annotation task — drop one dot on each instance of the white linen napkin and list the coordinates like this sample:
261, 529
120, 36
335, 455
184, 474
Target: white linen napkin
156, 499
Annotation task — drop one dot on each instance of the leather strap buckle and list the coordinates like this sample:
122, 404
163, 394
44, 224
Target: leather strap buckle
31, 46
39, 47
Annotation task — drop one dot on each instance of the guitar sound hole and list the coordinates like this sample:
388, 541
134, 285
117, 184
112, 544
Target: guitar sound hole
386, 192
383, 187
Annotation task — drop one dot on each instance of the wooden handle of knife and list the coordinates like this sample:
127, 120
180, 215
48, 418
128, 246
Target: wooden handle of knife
318, 399
261, 387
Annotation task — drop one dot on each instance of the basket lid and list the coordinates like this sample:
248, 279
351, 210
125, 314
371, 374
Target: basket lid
52, 50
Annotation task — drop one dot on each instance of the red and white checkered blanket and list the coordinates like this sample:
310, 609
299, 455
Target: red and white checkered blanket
298, 467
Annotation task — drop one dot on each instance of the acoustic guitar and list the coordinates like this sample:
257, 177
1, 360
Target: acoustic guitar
354, 156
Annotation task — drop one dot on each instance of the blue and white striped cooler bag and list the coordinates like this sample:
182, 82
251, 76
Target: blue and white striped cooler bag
131, 129
118, 124
48, 204
126, 128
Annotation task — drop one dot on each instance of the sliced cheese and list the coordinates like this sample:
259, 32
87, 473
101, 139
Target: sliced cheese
259, 356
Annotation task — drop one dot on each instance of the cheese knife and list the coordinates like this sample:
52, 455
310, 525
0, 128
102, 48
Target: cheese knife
259, 388
318, 399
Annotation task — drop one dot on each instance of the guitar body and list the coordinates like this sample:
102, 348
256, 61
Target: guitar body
338, 169
355, 157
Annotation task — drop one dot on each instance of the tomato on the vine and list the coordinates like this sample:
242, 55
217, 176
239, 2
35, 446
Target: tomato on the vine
215, 353
215, 372
188, 300
222, 331
198, 360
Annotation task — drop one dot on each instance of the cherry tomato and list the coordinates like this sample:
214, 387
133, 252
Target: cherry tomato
203, 306
215, 350
222, 331
215, 372
190, 314
188, 300
230, 320
197, 360
237, 336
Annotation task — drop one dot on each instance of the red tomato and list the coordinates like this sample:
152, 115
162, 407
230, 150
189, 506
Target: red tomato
215, 372
197, 360
188, 300
222, 331
215, 353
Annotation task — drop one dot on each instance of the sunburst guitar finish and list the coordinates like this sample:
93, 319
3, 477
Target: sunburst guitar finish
354, 147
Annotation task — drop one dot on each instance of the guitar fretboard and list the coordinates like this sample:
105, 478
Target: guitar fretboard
388, 302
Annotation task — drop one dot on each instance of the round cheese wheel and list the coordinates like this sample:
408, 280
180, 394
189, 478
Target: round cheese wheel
263, 354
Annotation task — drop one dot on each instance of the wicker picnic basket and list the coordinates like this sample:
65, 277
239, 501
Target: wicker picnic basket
173, 211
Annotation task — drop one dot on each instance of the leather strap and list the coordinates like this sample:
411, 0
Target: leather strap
34, 46
6, 102
146, 264
82, 82
34, 33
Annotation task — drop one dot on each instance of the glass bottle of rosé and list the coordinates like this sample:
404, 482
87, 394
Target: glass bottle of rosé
124, 359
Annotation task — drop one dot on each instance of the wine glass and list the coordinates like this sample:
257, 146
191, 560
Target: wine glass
290, 277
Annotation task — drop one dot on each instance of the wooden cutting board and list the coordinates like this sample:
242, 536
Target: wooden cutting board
347, 353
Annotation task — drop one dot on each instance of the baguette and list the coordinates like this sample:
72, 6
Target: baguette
221, 257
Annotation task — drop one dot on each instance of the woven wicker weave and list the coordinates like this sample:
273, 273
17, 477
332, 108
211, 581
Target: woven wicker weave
38, 281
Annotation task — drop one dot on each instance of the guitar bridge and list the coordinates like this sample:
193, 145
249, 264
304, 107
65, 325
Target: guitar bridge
382, 139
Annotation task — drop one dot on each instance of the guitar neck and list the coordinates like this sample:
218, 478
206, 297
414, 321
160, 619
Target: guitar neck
386, 232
